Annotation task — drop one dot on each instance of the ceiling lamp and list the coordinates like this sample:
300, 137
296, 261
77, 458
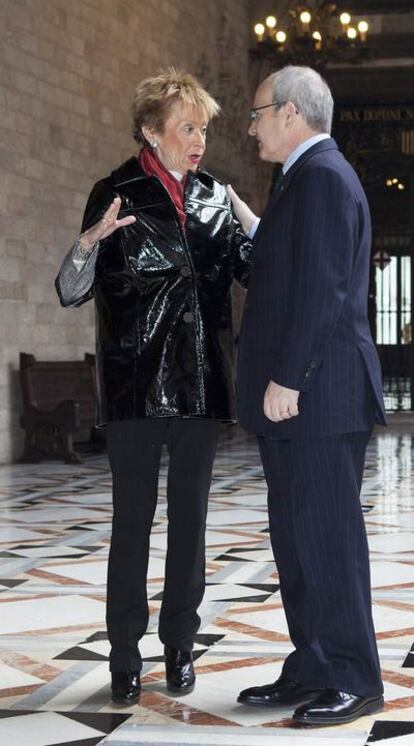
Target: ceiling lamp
314, 35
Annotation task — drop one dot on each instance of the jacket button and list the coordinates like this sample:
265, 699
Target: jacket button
188, 317
185, 271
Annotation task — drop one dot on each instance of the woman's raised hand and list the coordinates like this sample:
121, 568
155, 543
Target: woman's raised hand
242, 210
107, 225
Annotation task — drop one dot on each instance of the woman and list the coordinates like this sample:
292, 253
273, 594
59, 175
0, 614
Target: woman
158, 251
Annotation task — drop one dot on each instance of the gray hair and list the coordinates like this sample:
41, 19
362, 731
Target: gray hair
305, 88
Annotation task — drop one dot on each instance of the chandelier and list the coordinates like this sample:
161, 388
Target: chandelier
312, 35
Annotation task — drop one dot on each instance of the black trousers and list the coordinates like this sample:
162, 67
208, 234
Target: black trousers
134, 449
321, 552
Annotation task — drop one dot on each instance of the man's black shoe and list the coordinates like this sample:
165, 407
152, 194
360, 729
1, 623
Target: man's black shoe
284, 691
126, 687
333, 707
180, 670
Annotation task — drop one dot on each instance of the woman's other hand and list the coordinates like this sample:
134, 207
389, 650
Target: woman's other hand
242, 211
107, 225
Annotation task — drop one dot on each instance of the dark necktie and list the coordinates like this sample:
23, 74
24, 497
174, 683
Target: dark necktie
279, 182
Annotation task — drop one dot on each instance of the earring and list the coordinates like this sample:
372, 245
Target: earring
154, 144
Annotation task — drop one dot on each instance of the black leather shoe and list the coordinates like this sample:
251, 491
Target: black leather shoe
284, 691
126, 687
333, 707
180, 670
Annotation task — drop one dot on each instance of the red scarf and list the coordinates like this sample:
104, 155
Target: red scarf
152, 166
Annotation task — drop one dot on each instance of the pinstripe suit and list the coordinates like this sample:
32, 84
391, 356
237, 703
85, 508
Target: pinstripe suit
305, 327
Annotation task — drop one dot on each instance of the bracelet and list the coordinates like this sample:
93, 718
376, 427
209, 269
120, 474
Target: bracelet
80, 252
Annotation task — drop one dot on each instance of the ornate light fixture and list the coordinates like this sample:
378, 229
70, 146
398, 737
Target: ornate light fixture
314, 35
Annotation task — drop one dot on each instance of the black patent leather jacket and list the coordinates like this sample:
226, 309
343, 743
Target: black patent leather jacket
164, 341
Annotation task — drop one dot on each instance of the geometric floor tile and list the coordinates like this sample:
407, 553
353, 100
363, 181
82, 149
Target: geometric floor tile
54, 728
392, 573
229, 736
29, 614
12, 678
236, 593
55, 523
97, 648
409, 661
393, 733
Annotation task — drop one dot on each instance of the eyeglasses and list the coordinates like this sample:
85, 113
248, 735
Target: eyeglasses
255, 115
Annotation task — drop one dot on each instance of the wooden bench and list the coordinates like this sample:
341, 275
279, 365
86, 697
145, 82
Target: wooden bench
59, 400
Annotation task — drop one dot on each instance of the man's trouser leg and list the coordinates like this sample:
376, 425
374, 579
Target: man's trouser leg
320, 547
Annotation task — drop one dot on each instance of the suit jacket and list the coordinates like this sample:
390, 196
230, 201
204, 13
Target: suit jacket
305, 323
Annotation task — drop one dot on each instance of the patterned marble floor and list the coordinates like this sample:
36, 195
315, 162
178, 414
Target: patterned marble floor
54, 683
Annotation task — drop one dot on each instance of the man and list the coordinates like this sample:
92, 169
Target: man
309, 386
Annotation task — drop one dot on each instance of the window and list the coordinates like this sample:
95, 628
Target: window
393, 302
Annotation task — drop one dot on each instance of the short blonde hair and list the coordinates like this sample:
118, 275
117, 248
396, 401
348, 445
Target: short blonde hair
155, 96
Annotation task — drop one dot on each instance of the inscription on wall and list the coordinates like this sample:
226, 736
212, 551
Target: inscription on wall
390, 114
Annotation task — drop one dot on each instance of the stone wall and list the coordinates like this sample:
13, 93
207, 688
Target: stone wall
67, 73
